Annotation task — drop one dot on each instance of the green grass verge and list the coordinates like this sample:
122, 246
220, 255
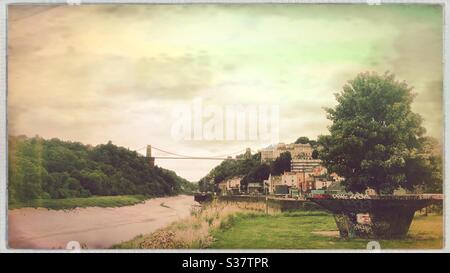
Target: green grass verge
71, 203
298, 230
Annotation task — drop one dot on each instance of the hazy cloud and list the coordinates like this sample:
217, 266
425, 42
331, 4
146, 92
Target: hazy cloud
94, 73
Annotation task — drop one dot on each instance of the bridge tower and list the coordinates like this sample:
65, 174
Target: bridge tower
151, 160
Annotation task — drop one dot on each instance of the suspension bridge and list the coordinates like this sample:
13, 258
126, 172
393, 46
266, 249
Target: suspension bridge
173, 155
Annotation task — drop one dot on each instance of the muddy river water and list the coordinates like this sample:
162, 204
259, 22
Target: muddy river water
93, 227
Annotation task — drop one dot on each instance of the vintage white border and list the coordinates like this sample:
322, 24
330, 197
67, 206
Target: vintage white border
4, 133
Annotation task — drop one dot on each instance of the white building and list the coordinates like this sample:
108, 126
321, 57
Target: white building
290, 179
306, 165
298, 151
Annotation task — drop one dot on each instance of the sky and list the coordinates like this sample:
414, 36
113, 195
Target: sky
99, 73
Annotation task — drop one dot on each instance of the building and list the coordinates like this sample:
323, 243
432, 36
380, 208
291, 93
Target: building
231, 185
307, 170
290, 179
298, 151
306, 173
305, 181
272, 182
254, 188
234, 184
222, 187
307, 165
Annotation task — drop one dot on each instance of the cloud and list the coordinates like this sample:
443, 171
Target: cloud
94, 73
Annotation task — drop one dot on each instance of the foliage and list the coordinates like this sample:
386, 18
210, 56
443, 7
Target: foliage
251, 169
228, 169
313, 143
315, 154
302, 140
376, 140
256, 174
281, 164
306, 140
40, 168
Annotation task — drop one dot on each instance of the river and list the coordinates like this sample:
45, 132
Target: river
92, 227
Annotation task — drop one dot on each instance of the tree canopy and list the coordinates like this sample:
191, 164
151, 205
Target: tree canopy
228, 169
302, 140
306, 140
40, 168
257, 174
281, 164
250, 168
375, 139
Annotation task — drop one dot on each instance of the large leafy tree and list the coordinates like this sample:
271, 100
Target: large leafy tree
257, 174
281, 164
375, 139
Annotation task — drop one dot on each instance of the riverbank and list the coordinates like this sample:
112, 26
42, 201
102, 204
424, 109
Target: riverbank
72, 203
93, 227
195, 231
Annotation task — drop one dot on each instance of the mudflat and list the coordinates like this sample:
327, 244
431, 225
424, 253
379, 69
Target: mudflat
92, 227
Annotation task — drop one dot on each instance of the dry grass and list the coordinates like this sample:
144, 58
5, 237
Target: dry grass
195, 231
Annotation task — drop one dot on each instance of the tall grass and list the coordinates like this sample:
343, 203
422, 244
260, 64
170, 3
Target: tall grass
195, 231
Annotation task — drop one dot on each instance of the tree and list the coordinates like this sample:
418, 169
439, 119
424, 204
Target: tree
281, 164
25, 169
315, 154
53, 168
302, 140
435, 177
428, 166
257, 174
306, 140
229, 168
375, 139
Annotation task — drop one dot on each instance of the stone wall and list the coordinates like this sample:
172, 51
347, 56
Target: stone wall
281, 204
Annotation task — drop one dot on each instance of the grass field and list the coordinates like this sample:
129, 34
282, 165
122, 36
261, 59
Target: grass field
71, 203
314, 230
